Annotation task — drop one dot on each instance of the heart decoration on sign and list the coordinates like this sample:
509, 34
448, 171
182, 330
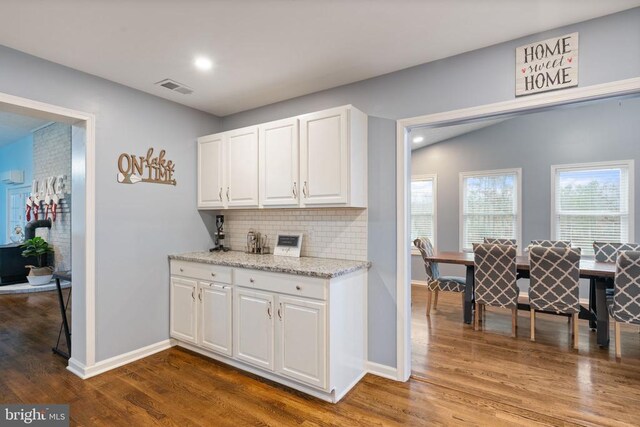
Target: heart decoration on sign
570, 60
523, 70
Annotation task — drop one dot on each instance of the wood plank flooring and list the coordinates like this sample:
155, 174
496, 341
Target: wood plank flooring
466, 377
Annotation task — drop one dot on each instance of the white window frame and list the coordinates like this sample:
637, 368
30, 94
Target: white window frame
629, 164
425, 177
463, 175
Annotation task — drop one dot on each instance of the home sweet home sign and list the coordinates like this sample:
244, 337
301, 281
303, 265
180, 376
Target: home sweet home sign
547, 65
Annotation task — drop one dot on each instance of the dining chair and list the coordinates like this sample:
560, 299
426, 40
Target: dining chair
554, 286
550, 244
435, 282
626, 293
608, 251
509, 242
495, 280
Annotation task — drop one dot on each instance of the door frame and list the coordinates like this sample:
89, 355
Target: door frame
83, 142
403, 180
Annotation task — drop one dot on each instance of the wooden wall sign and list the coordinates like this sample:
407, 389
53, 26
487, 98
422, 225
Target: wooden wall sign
149, 168
547, 65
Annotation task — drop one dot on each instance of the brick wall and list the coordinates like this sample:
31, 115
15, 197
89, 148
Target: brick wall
327, 233
52, 157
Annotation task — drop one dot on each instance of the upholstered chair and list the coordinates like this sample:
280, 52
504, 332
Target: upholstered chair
495, 280
550, 244
608, 251
554, 286
435, 282
509, 242
626, 293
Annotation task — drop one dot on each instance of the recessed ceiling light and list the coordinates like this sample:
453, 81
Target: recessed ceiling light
203, 64
418, 139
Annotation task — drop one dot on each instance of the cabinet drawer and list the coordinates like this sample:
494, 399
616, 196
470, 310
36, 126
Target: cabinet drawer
196, 270
281, 283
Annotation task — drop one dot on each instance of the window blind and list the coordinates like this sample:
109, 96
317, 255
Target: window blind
422, 208
489, 207
592, 204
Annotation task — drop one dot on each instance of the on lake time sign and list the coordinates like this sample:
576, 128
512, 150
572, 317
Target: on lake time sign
547, 65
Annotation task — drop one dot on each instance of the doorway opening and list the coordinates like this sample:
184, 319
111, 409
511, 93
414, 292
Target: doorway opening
50, 195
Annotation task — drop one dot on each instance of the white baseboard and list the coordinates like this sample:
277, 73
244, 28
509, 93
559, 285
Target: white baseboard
419, 282
85, 372
383, 371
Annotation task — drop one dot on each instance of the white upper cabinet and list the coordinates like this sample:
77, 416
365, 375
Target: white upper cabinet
333, 158
211, 171
242, 167
314, 160
279, 182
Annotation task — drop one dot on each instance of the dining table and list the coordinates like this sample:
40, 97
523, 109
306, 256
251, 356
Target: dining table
599, 274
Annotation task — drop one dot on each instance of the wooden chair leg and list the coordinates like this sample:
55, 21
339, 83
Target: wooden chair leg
616, 326
514, 321
533, 325
476, 320
428, 302
435, 299
576, 330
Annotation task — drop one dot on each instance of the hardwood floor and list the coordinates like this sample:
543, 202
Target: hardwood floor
467, 377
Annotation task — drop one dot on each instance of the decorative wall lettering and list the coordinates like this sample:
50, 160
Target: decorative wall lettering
547, 65
157, 170
46, 194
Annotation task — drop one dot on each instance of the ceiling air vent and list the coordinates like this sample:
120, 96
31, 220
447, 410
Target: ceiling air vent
175, 86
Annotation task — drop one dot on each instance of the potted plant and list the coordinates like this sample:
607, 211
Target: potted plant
39, 249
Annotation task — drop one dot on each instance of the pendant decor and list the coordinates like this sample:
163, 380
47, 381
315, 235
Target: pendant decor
148, 168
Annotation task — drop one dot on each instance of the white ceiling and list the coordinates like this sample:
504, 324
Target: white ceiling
439, 134
14, 126
270, 50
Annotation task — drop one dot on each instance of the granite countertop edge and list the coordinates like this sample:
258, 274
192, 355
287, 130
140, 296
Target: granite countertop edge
204, 258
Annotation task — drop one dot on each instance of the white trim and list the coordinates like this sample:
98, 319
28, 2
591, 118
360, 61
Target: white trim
103, 366
380, 370
434, 215
25, 106
628, 164
419, 282
403, 257
461, 178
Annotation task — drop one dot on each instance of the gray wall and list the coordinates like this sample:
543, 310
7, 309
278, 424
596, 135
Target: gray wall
475, 78
601, 131
137, 226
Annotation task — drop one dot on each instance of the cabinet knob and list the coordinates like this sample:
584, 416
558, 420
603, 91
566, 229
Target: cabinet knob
213, 274
181, 270
251, 280
298, 287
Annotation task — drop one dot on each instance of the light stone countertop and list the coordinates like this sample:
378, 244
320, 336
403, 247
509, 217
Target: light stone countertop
325, 268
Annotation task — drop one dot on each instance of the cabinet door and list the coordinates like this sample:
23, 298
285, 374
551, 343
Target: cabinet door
302, 341
215, 332
253, 327
279, 163
242, 167
324, 161
211, 171
183, 309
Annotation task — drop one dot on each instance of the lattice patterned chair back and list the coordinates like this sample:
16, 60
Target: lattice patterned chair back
550, 244
626, 293
426, 250
554, 275
508, 242
495, 275
608, 251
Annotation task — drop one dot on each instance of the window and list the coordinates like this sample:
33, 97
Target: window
490, 206
592, 202
16, 202
423, 203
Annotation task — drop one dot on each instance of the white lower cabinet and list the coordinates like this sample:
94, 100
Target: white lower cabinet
302, 342
253, 327
215, 331
307, 333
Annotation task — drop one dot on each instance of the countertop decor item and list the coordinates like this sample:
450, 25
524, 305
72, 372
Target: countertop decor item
147, 168
38, 247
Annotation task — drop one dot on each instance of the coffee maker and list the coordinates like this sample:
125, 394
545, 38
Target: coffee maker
218, 239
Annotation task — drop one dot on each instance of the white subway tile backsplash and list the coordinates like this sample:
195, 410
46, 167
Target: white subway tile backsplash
328, 233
